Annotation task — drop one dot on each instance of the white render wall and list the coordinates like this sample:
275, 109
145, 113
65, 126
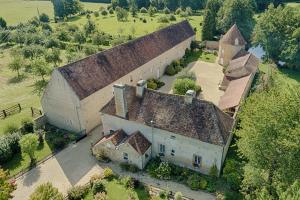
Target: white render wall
92, 104
184, 147
227, 52
60, 104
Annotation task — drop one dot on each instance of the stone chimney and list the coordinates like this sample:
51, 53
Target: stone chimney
189, 96
140, 87
120, 100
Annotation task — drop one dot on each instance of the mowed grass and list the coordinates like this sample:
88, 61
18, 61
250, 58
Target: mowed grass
16, 11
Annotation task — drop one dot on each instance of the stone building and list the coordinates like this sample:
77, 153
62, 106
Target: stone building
230, 45
77, 91
180, 129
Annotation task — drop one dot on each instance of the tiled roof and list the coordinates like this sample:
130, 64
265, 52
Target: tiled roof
93, 73
242, 66
116, 138
201, 120
232, 34
139, 142
234, 93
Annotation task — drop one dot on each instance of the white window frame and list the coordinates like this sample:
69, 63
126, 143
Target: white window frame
197, 160
125, 156
162, 149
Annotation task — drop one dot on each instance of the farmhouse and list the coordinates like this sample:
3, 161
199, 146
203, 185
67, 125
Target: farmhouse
140, 123
77, 91
240, 69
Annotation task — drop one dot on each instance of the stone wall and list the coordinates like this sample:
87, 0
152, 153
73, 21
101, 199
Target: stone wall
212, 45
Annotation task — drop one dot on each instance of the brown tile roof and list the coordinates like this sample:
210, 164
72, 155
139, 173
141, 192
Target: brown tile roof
116, 138
232, 34
234, 93
242, 66
201, 120
92, 73
139, 142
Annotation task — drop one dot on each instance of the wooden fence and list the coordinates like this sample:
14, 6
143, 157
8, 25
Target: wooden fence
35, 112
10, 111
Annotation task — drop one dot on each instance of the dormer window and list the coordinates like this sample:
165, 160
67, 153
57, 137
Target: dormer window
236, 42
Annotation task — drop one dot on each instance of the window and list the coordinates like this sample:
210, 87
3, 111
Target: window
197, 161
162, 149
236, 42
146, 155
173, 137
125, 156
173, 152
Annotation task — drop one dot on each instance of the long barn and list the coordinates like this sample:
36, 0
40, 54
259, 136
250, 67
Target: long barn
77, 91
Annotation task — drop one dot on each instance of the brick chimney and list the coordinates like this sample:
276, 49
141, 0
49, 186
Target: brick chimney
189, 96
120, 100
140, 87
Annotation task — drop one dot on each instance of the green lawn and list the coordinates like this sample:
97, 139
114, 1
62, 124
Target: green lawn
200, 55
116, 191
16, 11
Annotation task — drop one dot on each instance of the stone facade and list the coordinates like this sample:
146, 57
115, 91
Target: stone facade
179, 149
227, 52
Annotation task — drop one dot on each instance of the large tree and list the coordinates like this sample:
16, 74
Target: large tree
16, 64
172, 4
277, 31
209, 29
72, 7
240, 12
269, 139
263, 4
59, 8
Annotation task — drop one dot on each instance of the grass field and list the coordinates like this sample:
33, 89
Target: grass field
16, 11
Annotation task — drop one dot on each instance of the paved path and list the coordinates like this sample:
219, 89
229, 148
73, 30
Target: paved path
167, 185
209, 75
72, 166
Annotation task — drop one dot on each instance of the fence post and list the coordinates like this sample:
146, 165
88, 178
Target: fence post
4, 113
31, 111
19, 107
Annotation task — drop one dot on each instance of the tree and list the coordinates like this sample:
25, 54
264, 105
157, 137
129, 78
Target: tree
89, 27
182, 85
2, 23
17, 64
291, 193
29, 144
104, 12
240, 12
171, 4
119, 3
277, 31
59, 8
6, 188
46, 191
40, 68
133, 8
122, 14
269, 138
72, 7
53, 56
33, 51
263, 4
80, 37
209, 29
151, 11
44, 18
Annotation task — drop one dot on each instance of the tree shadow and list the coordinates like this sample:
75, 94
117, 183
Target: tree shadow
291, 73
17, 79
73, 18
32, 176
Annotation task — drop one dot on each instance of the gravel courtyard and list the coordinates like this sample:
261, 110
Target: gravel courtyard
209, 75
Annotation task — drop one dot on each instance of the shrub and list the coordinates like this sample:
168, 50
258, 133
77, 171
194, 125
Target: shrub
152, 165
104, 12
193, 181
178, 11
178, 196
163, 19
184, 14
101, 196
128, 182
90, 49
98, 186
162, 194
231, 174
27, 126
95, 178
44, 17
172, 17
188, 75
29, 144
144, 21
170, 70
163, 171
59, 143
101, 156
111, 11
96, 14
108, 173
47, 192
152, 85
166, 10
10, 128
194, 45
202, 184
177, 68
9, 145
143, 10
181, 86
213, 171
77, 192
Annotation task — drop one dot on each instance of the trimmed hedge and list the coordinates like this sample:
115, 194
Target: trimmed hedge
9, 145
